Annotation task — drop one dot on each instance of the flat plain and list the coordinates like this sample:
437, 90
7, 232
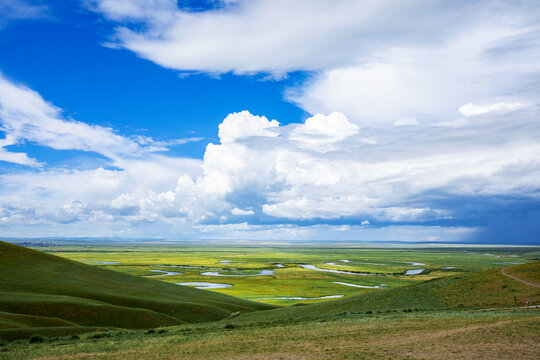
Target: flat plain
359, 270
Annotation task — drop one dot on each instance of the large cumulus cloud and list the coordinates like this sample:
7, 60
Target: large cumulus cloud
263, 178
413, 123
333, 170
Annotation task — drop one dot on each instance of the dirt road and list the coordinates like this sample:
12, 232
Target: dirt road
518, 279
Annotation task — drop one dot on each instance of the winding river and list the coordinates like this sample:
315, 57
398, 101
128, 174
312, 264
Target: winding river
313, 267
217, 273
164, 273
298, 297
205, 285
414, 271
359, 286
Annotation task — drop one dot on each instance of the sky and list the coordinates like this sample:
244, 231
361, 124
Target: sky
414, 121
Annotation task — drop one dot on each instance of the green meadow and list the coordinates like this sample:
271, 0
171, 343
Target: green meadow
97, 302
386, 267
501, 334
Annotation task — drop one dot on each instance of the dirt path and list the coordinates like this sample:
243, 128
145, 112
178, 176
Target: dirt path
432, 335
518, 279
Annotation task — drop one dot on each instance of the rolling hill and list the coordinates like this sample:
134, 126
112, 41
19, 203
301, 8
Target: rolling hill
377, 325
52, 296
45, 291
473, 290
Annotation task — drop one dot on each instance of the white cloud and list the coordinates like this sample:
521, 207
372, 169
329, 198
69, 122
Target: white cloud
386, 180
237, 211
320, 131
143, 183
20, 9
242, 36
406, 121
244, 231
26, 116
377, 62
391, 179
15, 157
243, 124
150, 10
51, 194
425, 83
471, 109
456, 123
374, 64
372, 94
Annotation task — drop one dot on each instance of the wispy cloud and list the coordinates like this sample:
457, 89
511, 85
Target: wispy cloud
26, 116
44, 194
21, 10
242, 36
471, 109
15, 157
377, 62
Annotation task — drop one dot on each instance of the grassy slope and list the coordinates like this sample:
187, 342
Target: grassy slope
82, 312
483, 289
341, 328
528, 272
9, 321
38, 284
503, 334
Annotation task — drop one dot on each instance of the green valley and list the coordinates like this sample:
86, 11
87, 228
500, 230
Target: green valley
125, 302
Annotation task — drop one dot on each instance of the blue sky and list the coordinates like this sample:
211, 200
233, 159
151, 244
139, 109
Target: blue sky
346, 120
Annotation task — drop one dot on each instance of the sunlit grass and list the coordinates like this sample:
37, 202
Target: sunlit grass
291, 280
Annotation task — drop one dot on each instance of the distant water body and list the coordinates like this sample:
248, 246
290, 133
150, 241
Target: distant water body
358, 286
414, 271
217, 273
205, 285
164, 273
298, 297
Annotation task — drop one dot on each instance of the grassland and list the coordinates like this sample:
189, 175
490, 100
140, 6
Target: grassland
291, 280
471, 311
503, 334
38, 288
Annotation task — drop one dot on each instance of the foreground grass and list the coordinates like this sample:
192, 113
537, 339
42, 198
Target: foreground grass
59, 309
501, 334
